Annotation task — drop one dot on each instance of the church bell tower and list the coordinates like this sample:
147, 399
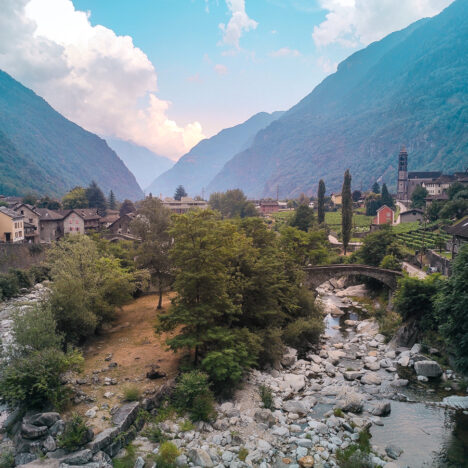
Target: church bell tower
402, 175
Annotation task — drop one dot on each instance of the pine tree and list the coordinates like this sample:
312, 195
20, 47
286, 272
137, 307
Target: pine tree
376, 187
112, 203
96, 198
321, 202
179, 193
346, 210
386, 197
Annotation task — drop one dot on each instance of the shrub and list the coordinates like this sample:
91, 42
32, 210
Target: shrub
187, 426
242, 455
7, 459
75, 435
39, 273
390, 262
166, 458
23, 277
128, 460
154, 434
338, 412
272, 346
303, 332
190, 385
132, 393
203, 408
9, 285
356, 455
266, 396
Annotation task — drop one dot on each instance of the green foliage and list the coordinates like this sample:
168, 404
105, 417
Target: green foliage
49, 203
378, 244
132, 393
86, 286
356, 195
266, 395
203, 408
338, 412
75, 434
96, 198
111, 202
321, 202
9, 285
454, 209
451, 306
179, 193
357, 454
232, 204
7, 459
418, 197
128, 460
376, 188
75, 198
243, 453
126, 207
39, 273
346, 210
373, 203
31, 370
303, 218
303, 332
390, 262
166, 458
154, 434
23, 277
30, 198
187, 426
386, 198
414, 299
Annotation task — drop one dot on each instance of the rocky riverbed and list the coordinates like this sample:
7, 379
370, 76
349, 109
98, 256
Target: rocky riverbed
322, 401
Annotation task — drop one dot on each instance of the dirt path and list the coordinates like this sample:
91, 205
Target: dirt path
135, 348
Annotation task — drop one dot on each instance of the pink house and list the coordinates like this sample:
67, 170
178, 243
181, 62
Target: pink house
384, 216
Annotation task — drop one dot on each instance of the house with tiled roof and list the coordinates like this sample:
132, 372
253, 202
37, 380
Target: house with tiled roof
11, 225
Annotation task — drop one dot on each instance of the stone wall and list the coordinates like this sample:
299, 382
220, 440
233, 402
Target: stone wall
443, 265
21, 255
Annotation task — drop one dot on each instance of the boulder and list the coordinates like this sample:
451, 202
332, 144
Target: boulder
139, 463
352, 375
428, 368
456, 402
289, 357
263, 446
371, 378
79, 458
306, 462
103, 439
44, 419
200, 458
358, 290
350, 401
382, 408
29, 431
292, 382
49, 444
265, 416
293, 406
126, 415
393, 451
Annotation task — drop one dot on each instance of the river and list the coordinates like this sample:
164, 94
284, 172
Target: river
429, 435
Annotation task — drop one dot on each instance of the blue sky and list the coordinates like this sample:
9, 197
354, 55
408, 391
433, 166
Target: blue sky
166, 73
183, 40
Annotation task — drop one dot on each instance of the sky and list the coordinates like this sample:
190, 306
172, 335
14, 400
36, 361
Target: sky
166, 73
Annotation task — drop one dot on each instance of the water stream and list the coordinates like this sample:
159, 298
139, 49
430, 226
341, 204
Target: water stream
431, 436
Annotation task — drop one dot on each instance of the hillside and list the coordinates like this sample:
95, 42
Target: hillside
143, 163
409, 88
42, 151
195, 169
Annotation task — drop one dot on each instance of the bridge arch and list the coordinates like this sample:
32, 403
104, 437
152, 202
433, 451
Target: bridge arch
316, 275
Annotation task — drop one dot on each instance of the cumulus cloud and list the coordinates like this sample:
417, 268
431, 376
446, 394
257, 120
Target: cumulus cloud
352, 23
285, 52
238, 23
89, 74
327, 65
220, 69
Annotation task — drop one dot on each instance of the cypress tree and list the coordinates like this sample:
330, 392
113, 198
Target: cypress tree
321, 202
346, 210
112, 202
386, 197
376, 187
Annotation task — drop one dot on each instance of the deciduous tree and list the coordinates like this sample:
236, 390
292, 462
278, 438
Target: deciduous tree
418, 197
303, 218
127, 207
75, 198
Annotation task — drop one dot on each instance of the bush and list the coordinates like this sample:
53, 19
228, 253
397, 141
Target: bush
266, 396
39, 273
75, 435
203, 408
166, 458
272, 346
154, 434
190, 385
23, 277
187, 426
303, 332
9, 285
356, 455
242, 455
7, 459
128, 460
390, 262
32, 369
132, 393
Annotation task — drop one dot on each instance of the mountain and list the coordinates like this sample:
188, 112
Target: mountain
42, 151
143, 163
409, 88
195, 169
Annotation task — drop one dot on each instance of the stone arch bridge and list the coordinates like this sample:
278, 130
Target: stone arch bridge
316, 275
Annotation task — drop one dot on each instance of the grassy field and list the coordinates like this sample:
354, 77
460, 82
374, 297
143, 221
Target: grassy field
333, 219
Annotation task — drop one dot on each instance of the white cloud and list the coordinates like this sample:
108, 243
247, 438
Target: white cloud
359, 22
327, 65
89, 74
285, 52
238, 23
220, 69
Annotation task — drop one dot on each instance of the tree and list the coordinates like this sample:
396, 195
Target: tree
377, 245
373, 203
127, 207
321, 202
86, 286
179, 193
75, 198
454, 209
386, 198
306, 248
303, 199
96, 198
418, 197
303, 218
376, 187
49, 203
346, 211
151, 226
112, 202
30, 199
356, 195
232, 204
451, 305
